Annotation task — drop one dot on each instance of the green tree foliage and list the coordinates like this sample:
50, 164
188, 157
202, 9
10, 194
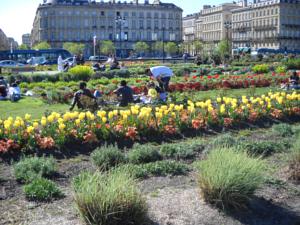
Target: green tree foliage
223, 49
23, 47
171, 48
107, 47
158, 46
42, 45
141, 47
198, 45
74, 48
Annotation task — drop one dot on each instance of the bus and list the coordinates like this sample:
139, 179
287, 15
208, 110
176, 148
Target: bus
21, 56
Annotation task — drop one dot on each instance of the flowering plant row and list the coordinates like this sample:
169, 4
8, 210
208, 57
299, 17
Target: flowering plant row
56, 129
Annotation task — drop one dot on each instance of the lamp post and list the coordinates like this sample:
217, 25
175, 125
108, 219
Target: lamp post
120, 21
228, 26
95, 43
163, 43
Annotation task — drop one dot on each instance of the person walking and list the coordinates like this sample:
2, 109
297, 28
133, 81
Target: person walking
60, 66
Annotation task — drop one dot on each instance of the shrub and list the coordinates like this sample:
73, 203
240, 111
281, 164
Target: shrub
143, 154
224, 141
264, 148
292, 64
81, 72
107, 157
262, 68
30, 168
109, 198
41, 189
294, 161
228, 178
283, 130
281, 69
159, 168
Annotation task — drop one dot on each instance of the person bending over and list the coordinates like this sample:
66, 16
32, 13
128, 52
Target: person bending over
162, 74
126, 94
294, 80
83, 91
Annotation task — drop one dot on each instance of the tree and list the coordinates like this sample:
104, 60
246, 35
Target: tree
158, 45
74, 48
223, 50
198, 46
171, 48
23, 47
141, 47
107, 47
42, 45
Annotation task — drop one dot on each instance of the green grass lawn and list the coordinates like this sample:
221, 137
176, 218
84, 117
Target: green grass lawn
34, 106
37, 108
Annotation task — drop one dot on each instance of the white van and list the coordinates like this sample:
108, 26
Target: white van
35, 61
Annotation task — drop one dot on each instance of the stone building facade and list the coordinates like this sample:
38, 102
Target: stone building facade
4, 43
60, 21
26, 39
190, 29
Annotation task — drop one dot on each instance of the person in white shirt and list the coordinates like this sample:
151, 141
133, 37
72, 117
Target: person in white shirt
14, 92
60, 66
162, 74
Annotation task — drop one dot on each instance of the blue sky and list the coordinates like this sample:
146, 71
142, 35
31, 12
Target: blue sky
16, 16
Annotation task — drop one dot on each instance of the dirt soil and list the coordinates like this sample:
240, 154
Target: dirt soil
171, 200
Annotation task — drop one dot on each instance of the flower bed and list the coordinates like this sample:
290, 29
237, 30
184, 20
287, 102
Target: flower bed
56, 130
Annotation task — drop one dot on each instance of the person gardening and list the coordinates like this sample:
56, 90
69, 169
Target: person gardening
126, 94
162, 74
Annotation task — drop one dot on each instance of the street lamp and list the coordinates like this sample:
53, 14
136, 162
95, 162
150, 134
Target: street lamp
95, 43
163, 42
227, 26
120, 21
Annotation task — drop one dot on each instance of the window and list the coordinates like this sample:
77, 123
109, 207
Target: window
133, 14
133, 24
141, 23
102, 13
148, 14
156, 24
126, 14
148, 24
133, 36
149, 36
141, 15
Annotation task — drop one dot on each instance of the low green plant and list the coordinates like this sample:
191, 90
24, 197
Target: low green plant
81, 72
143, 154
159, 168
178, 151
293, 64
261, 68
107, 157
224, 141
264, 148
41, 189
294, 161
27, 169
109, 198
228, 178
283, 130
280, 69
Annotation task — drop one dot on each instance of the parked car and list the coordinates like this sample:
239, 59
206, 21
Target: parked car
69, 60
98, 58
36, 61
10, 63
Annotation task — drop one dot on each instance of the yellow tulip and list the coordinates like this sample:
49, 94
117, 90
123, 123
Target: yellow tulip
61, 126
35, 125
30, 129
27, 116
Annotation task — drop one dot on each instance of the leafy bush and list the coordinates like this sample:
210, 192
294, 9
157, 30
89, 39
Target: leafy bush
109, 198
228, 178
30, 168
41, 189
159, 168
81, 72
262, 68
283, 130
143, 154
281, 69
292, 64
107, 157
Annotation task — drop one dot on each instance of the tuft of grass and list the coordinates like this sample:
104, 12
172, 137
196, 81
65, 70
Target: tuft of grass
107, 157
159, 168
283, 130
110, 198
27, 169
228, 178
143, 154
224, 141
294, 161
41, 189
180, 151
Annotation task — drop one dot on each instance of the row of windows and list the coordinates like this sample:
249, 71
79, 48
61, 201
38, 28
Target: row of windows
212, 26
265, 22
115, 13
257, 13
212, 18
212, 36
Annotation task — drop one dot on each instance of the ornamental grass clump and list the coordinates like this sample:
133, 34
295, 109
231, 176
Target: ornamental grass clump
225, 141
283, 130
81, 72
143, 154
110, 198
41, 189
294, 161
27, 169
228, 178
107, 157
180, 151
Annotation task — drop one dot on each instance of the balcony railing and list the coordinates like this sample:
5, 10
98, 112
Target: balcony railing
265, 27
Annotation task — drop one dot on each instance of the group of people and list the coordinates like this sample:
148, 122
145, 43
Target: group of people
293, 82
64, 66
157, 89
112, 62
9, 92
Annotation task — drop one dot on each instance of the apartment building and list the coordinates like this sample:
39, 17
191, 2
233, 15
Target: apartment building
190, 30
26, 40
59, 21
271, 24
4, 44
